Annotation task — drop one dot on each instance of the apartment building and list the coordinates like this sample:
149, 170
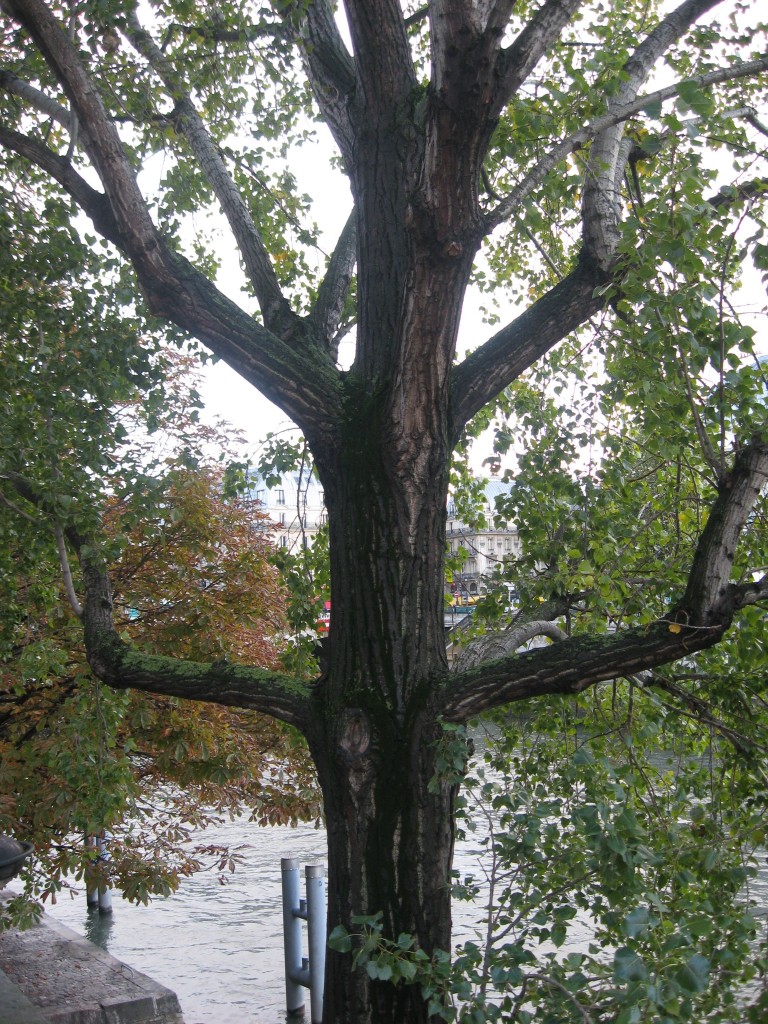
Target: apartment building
296, 505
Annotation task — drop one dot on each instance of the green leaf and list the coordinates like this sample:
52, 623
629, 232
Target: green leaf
628, 965
694, 975
698, 99
340, 939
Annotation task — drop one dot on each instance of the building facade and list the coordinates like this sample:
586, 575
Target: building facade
486, 544
296, 506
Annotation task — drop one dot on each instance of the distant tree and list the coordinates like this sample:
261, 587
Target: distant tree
563, 155
193, 579
192, 576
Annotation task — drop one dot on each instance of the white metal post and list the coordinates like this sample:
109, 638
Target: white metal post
317, 914
294, 990
105, 893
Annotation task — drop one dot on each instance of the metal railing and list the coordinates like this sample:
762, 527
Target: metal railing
304, 971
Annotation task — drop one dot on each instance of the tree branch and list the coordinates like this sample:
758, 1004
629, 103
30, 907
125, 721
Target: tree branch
122, 667
579, 138
489, 369
328, 308
103, 145
66, 572
302, 383
329, 68
299, 378
705, 613
708, 591
490, 646
702, 712
92, 202
520, 58
16, 86
601, 202
274, 307
382, 54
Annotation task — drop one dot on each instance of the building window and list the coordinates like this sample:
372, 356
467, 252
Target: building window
283, 541
261, 494
283, 519
280, 496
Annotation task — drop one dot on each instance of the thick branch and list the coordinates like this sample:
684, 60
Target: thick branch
92, 202
708, 584
16, 86
332, 294
274, 306
270, 693
601, 204
466, 46
122, 667
104, 147
301, 382
329, 67
382, 54
490, 646
700, 621
571, 666
488, 370
521, 57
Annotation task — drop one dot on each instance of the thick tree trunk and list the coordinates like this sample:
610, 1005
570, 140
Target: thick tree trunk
390, 845
375, 729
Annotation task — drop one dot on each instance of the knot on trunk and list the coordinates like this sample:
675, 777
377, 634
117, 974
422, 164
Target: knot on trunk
354, 734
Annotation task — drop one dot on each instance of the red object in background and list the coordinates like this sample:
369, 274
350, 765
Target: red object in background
324, 619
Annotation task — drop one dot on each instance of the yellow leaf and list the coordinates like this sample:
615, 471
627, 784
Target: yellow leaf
675, 627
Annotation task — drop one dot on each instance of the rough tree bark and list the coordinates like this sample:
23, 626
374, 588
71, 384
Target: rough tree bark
382, 432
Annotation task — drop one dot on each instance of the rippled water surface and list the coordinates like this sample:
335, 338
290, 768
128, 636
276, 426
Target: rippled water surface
219, 947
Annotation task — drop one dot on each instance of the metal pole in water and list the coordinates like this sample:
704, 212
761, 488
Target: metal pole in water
105, 893
317, 914
91, 887
294, 991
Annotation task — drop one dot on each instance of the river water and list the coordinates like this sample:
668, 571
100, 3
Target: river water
219, 947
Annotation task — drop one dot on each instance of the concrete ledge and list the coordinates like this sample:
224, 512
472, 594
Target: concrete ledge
51, 975
15, 1008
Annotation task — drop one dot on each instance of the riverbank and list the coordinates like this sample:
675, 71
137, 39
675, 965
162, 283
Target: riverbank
51, 975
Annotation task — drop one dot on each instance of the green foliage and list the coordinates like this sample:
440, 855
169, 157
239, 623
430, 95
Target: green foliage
611, 847
191, 577
614, 858
304, 570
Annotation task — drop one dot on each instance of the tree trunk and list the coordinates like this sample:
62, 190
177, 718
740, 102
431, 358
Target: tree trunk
390, 846
375, 729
